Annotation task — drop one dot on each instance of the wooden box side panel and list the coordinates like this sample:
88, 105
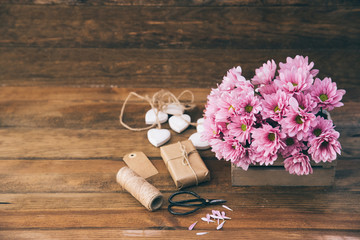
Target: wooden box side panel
277, 176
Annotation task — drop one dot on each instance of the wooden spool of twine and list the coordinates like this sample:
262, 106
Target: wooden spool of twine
148, 195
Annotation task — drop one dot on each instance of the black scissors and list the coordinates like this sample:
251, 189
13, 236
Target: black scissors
194, 203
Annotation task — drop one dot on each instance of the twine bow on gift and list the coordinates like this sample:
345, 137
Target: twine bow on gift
185, 160
159, 102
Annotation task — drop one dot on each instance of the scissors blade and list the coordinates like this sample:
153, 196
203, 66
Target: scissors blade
217, 201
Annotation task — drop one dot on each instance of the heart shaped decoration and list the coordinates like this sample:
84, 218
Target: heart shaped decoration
198, 143
158, 137
174, 109
179, 123
150, 116
200, 125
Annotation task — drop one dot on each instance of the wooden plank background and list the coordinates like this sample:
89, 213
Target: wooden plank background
66, 67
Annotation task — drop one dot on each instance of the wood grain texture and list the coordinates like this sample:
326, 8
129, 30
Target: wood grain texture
193, 3
97, 108
200, 68
66, 67
98, 176
179, 27
74, 210
177, 234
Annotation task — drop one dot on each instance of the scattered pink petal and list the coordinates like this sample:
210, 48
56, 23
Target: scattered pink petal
201, 233
220, 225
216, 217
192, 225
205, 219
223, 215
224, 206
215, 212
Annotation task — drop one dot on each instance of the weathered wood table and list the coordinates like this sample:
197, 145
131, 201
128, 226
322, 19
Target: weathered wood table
65, 71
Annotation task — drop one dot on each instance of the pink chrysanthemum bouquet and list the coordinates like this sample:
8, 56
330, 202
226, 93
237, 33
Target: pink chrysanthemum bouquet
249, 122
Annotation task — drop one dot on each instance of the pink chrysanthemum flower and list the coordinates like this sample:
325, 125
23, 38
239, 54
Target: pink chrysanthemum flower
325, 147
326, 95
305, 102
240, 127
298, 164
294, 80
293, 146
232, 149
245, 125
319, 126
247, 158
226, 107
262, 159
248, 105
243, 87
217, 146
297, 122
211, 105
268, 89
213, 129
231, 79
274, 106
265, 74
210, 110
268, 140
299, 62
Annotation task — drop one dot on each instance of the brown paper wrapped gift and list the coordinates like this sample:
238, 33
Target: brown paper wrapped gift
184, 164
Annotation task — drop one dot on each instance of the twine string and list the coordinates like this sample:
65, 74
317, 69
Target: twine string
185, 160
159, 102
145, 98
148, 195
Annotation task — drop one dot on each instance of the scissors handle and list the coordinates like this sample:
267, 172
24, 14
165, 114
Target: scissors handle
198, 198
194, 203
182, 213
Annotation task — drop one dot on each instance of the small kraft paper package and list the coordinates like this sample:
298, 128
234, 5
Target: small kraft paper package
184, 164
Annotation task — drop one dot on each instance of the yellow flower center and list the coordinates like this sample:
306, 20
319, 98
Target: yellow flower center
317, 132
248, 108
323, 97
276, 109
298, 119
271, 137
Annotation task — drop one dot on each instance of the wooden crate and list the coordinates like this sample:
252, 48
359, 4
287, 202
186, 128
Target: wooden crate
276, 175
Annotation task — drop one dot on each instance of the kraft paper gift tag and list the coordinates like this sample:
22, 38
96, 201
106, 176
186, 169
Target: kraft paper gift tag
140, 164
184, 164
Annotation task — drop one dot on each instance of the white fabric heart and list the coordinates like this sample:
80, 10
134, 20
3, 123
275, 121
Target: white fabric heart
198, 143
179, 123
174, 109
158, 137
200, 125
150, 116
